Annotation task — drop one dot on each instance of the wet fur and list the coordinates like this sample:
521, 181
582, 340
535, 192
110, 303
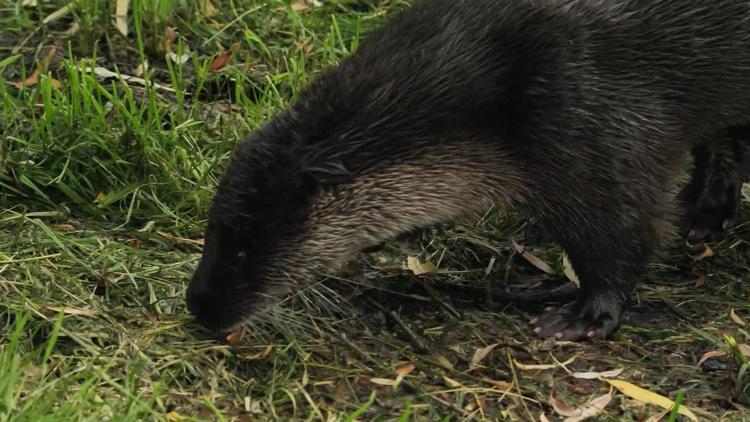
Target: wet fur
580, 113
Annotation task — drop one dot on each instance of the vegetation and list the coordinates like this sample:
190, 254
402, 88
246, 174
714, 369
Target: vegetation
114, 128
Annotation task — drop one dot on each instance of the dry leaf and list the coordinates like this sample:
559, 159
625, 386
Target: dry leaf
30, 3
72, 29
451, 382
532, 259
543, 418
525, 367
69, 310
419, 268
207, 8
299, 6
181, 240
406, 369
235, 338
659, 416
710, 355
141, 69
563, 409
596, 375
500, 385
170, 37
31, 80
59, 13
569, 272
645, 396
707, 253
63, 227
384, 381
260, 355
481, 354
181, 59
736, 318
592, 408
223, 59
121, 16
174, 417
744, 349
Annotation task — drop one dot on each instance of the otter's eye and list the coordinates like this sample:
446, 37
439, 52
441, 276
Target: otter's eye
241, 255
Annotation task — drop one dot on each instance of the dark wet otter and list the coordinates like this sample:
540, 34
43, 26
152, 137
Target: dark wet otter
581, 113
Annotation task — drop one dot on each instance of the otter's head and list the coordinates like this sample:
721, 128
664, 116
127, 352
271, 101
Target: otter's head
258, 214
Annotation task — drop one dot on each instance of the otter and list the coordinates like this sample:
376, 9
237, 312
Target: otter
581, 114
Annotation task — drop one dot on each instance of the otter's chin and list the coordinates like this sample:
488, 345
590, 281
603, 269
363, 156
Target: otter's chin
216, 311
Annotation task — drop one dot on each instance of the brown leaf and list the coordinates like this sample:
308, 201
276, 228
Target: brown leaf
235, 338
499, 385
451, 382
736, 318
480, 354
596, 375
299, 6
744, 349
121, 16
260, 355
532, 259
72, 29
384, 381
592, 408
63, 227
710, 355
406, 369
420, 269
707, 253
222, 60
31, 80
170, 36
543, 418
563, 409
59, 13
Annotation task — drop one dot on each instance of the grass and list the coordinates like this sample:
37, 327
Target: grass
104, 188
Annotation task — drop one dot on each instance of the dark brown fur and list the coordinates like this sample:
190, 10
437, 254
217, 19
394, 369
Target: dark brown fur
579, 112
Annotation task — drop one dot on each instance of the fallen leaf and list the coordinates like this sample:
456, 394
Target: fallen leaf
592, 408
707, 253
525, 367
260, 355
499, 385
744, 349
59, 13
30, 3
532, 259
710, 355
72, 29
563, 409
659, 416
141, 69
645, 396
299, 6
69, 310
568, 270
170, 36
223, 59
596, 375
451, 382
181, 240
63, 227
419, 268
384, 381
31, 80
207, 8
121, 16
406, 369
543, 418
480, 354
736, 318
235, 338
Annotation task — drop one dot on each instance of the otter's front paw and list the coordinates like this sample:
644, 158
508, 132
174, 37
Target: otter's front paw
574, 323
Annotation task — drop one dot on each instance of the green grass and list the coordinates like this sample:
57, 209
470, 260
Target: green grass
105, 183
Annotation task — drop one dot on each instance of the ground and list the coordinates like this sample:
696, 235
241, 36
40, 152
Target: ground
105, 181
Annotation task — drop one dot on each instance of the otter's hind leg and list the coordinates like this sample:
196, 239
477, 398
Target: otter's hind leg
711, 200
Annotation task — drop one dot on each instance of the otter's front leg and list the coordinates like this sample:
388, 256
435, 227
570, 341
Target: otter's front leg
609, 243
